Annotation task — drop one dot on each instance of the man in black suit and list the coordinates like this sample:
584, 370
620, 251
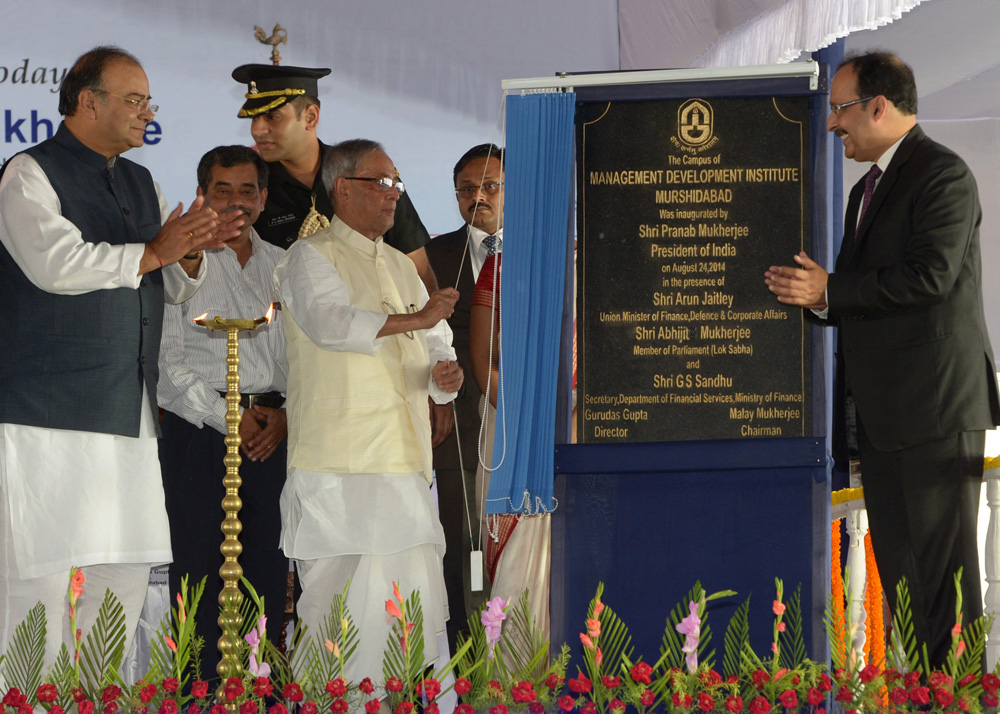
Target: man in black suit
915, 363
457, 258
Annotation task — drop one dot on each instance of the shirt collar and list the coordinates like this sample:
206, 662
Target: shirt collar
81, 151
886, 157
477, 236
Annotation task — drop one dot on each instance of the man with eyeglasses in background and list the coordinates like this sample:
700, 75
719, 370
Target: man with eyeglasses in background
366, 347
916, 378
457, 258
283, 108
90, 253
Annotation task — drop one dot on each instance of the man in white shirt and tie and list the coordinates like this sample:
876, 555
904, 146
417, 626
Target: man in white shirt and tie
457, 258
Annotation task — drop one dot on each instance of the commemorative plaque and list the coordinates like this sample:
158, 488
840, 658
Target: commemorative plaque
683, 204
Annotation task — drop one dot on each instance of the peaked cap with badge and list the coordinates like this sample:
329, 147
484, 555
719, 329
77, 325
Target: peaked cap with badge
270, 86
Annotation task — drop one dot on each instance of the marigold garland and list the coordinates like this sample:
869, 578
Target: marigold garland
875, 642
837, 592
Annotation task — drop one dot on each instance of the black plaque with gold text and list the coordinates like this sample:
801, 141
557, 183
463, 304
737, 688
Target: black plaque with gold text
683, 204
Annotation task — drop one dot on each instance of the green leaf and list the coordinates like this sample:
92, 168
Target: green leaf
102, 651
737, 639
792, 644
26, 652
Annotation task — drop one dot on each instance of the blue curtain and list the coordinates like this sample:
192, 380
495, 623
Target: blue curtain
538, 183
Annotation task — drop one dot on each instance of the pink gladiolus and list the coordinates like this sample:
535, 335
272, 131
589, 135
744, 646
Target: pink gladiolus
598, 657
171, 644
598, 606
492, 617
778, 607
587, 642
593, 627
690, 627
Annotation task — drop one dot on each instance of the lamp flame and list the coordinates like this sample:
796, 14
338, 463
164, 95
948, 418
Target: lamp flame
202, 316
269, 315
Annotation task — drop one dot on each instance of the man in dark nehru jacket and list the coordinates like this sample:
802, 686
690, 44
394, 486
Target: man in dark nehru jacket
89, 253
457, 258
282, 104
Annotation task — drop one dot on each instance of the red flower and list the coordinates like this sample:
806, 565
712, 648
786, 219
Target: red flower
218, 709
168, 706
990, 682
147, 693
824, 683
494, 689
404, 708
199, 689
844, 694
339, 706
789, 699
110, 693
233, 689
432, 708
891, 675
460, 709
898, 695
647, 698
868, 673
170, 685
566, 703
760, 705
462, 686
912, 679
277, 708
499, 709
85, 707
579, 684
262, 687
393, 684
338, 687
706, 702
937, 680
611, 682
943, 697
920, 696
963, 703
536, 708
14, 698
616, 705
292, 692
554, 681
366, 685
814, 697
641, 673
47, 693
967, 680
372, 706
734, 703
429, 688
56, 709
111, 708
710, 678
760, 678
79, 695
248, 708
522, 693
990, 699
310, 708
589, 708
681, 700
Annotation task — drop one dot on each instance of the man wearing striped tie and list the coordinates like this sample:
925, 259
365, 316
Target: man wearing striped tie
192, 392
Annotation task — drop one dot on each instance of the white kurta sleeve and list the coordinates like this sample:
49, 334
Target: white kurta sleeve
314, 294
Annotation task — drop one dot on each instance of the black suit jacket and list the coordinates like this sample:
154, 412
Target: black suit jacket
445, 254
907, 295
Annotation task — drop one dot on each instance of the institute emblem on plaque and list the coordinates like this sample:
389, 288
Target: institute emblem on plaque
694, 122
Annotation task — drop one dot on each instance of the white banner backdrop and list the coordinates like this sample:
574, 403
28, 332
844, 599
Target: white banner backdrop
421, 77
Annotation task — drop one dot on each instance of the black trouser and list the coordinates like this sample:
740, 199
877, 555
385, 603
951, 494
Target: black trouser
192, 463
923, 509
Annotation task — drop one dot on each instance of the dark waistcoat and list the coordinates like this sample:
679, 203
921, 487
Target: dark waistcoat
79, 362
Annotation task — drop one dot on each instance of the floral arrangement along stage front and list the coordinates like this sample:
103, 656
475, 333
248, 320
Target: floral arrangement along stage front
505, 665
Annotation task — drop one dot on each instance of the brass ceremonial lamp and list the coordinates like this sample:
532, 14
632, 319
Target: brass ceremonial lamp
231, 570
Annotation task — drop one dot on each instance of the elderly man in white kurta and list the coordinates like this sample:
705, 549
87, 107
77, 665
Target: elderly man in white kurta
366, 345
